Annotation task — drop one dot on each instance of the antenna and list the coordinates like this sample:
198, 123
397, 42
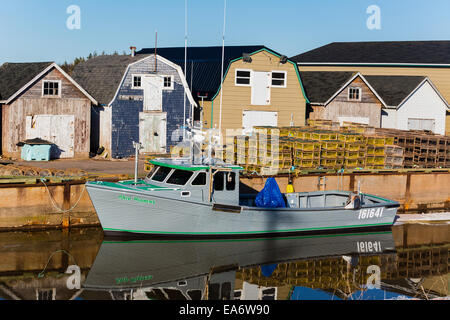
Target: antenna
156, 45
192, 106
185, 59
223, 54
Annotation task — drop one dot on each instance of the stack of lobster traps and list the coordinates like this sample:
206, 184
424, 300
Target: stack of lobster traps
324, 144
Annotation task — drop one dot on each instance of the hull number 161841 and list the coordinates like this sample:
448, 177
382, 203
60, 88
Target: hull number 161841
370, 213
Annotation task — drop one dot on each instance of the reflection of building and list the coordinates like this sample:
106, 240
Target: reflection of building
36, 269
328, 273
421, 272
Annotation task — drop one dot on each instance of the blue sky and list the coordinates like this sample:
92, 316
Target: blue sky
34, 30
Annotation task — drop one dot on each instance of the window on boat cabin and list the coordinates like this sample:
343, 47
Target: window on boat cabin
180, 177
224, 180
168, 83
279, 79
243, 77
218, 181
230, 180
51, 88
137, 82
354, 93
152, 172
161, 174
200, 179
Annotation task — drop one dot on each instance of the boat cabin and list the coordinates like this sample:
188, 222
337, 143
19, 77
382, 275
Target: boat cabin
195, 181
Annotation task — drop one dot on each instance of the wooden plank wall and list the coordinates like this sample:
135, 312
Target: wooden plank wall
368, 107
31, 102
340, 106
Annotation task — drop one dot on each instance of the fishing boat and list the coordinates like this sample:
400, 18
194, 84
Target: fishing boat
181, 199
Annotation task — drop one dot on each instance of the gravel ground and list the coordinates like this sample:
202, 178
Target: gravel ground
89, 165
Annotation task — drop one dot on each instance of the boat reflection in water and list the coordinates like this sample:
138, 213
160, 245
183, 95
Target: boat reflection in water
235, 269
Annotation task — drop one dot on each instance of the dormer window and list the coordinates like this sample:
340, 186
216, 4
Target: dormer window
51, 88
354, 94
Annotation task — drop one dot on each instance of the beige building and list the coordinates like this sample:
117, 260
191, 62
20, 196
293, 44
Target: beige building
261, 88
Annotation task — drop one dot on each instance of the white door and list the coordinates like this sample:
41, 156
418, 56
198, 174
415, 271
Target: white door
261, 88
251, 119
153, 86
62, 131
152, 132
58, 129
362, 120
421, 124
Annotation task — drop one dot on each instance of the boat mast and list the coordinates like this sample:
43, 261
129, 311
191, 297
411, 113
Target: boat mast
185, 62
221, 75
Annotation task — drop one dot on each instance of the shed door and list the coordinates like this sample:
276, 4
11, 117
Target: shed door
251, 119
152, 132
153, 86
421, 124
261, 88
59, 129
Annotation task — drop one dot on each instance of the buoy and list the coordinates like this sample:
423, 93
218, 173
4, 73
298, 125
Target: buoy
290, 186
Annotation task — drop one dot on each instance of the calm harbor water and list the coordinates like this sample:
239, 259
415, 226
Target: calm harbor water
410, 261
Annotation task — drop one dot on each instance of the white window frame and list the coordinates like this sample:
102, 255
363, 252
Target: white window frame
59, 89
359, 94
171, 82
285, 79
236, 77
132, 81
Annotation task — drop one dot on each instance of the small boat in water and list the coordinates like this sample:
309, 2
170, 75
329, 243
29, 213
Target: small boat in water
182, 199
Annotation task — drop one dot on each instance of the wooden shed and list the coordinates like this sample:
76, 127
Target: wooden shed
40, 100
429, 59
342, 96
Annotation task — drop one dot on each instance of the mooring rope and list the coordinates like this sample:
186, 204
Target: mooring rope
54, 202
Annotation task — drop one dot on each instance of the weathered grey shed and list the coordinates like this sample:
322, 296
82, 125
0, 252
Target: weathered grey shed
40, 100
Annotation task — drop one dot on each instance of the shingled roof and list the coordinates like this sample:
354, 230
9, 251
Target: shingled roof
322, 85
13, 76
203, 64
394, 89
397, 52
101, 76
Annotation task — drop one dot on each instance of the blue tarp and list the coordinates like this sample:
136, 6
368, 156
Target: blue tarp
268, 269
270, 196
